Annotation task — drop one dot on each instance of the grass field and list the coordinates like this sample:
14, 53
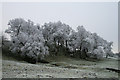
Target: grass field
59, 67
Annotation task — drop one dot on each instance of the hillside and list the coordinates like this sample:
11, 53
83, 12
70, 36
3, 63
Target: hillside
59, 67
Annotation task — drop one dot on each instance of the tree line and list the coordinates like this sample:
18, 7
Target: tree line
34, 41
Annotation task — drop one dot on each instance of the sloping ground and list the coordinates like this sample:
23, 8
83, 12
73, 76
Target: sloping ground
60, 67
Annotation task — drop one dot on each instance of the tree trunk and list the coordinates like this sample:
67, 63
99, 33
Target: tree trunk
58, 42
66, 43
106, 55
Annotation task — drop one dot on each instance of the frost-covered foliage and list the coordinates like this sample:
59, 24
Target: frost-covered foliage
5, 44
89, 44
76, 38
56, 34
27, 39
33, 41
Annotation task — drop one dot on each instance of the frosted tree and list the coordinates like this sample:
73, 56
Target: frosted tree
27, 39
88, 44
98, 47
107, 46
98, 53
62, 34
76, 38
56, 34
81, 35
108, 49
72, 44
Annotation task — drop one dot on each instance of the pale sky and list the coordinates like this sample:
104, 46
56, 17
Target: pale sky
99, 17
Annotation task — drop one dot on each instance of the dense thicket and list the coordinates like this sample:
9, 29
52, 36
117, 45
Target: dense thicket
33, 41
26, 39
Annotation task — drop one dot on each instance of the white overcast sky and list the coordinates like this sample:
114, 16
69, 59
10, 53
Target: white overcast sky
99, 17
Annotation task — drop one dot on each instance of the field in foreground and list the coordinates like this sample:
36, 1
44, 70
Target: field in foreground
59, 67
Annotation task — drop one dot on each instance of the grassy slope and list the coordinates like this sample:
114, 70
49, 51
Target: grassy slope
65, 67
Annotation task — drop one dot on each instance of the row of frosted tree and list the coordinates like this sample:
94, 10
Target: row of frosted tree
35, 41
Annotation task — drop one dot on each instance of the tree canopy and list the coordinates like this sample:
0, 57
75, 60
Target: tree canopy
34, 41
